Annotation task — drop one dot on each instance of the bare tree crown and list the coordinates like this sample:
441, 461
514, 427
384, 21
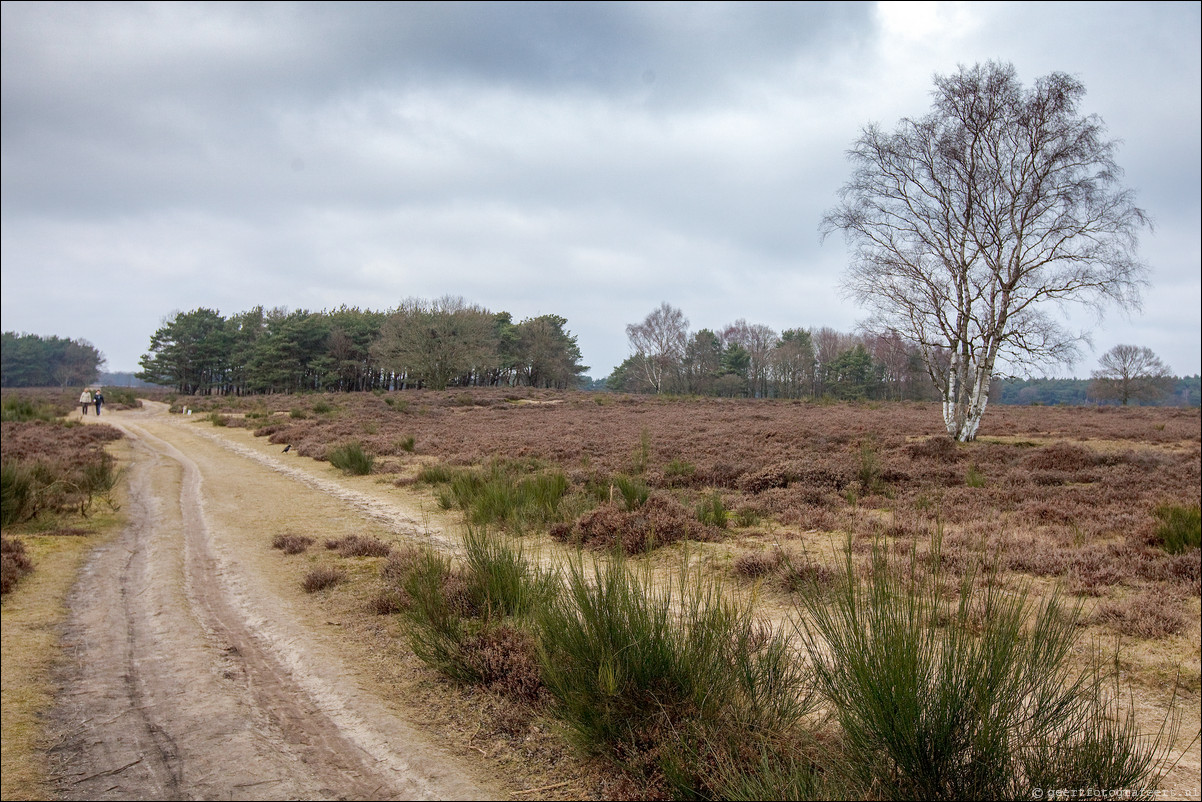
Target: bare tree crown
970, 226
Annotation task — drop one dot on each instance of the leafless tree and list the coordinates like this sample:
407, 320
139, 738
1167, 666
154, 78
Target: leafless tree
892, 354
660, 342
78, 362
1130, 373
758, 340
972, 224
436, 343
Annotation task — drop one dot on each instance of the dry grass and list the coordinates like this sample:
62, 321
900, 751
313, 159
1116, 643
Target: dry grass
31, 618
1146, 616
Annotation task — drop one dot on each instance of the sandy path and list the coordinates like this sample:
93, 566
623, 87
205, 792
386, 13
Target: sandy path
191, 678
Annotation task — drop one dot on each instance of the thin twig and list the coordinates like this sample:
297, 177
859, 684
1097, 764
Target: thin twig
110, 771
543, 788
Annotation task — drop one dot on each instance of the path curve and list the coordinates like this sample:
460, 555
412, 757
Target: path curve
187, 679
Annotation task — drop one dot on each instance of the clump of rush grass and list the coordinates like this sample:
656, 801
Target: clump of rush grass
629, 491
436, 474
640, 458
748, 516
321, 578
516, 496
978, 698
869, 472
19, 485
434, 612
713, 512
679, 472
1180, 527
20, 408
351, 458
975, 477
468, 621
506, 582
663, 680
399, 404
98, 478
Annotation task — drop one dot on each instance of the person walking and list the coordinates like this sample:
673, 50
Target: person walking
85, 400
99, 399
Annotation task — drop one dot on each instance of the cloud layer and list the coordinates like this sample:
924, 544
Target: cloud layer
589, 160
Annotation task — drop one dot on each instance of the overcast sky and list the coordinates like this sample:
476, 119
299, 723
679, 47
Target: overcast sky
586, 160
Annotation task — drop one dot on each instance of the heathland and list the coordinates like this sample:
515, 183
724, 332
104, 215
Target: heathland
617, 596
1095, 508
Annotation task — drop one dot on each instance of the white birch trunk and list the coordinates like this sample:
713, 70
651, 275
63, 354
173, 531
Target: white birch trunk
965, 396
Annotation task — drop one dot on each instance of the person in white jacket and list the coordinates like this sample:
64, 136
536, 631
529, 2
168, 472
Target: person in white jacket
85, 400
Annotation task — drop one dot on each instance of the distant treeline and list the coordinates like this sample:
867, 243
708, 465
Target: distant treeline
450, 343
1185, 391
745, 360
431, 344
30, 360
123, 379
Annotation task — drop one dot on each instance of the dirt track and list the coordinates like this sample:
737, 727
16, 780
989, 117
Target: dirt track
190, 677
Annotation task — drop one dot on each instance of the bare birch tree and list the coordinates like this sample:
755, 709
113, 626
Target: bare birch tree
971, 225
660, 342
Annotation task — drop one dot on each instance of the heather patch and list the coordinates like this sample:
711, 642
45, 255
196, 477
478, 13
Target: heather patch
359, 546
322, 578
291, 543
14, 564
1067, 478
54, 467
659, 521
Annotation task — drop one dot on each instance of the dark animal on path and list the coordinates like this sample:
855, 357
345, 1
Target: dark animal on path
287, 447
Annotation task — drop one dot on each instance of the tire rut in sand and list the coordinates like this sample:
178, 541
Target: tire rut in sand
175, 688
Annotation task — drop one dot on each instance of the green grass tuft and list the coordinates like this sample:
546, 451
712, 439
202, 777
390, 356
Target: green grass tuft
634, 491
518, 496
1180, 527
351, 458
975, 477
18, 408
660, 681
713, 512
971, 699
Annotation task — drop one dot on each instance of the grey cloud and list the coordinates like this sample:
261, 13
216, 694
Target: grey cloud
588, 159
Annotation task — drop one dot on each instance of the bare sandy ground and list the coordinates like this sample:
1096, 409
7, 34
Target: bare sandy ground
191, 678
